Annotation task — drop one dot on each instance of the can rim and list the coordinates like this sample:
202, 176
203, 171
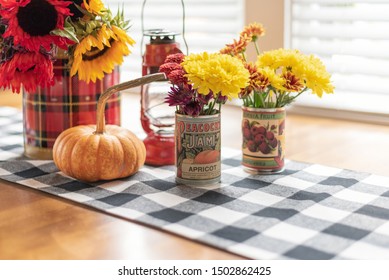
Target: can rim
198, 117
250, 109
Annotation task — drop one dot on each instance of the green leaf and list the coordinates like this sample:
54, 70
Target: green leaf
68, 32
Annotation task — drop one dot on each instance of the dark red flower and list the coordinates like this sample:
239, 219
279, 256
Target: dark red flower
180, 95
167, 68
175, 58
28, 68
204, 99
31, 21
221, 99
177, 77
193, 109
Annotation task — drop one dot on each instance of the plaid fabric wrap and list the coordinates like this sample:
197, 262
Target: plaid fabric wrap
69, 102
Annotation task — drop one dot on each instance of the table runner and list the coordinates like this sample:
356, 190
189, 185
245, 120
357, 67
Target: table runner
309, 211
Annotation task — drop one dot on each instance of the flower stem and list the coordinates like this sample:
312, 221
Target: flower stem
244, 56
256, 47
260, 103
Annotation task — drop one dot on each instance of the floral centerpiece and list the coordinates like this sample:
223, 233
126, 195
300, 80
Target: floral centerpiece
34, 31
63, 55
277, 78
201, 84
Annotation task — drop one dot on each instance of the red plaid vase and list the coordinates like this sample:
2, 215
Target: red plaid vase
69, 102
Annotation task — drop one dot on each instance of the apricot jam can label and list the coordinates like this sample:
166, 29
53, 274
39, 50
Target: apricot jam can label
263, 146
198, 149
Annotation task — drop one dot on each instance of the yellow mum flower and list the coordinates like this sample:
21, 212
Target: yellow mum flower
94, 6
279, 58
96, 55
219, 73
275, 80
315, 75
308, 69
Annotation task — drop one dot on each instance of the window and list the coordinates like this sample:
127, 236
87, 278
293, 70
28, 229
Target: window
209, 24
352, 38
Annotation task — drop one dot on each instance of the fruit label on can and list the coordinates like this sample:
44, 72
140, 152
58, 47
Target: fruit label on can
263, 139
198, 147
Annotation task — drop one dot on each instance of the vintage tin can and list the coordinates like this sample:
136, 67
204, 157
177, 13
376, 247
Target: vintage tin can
263, 146
198, 146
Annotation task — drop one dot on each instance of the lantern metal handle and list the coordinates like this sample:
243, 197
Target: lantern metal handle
183, 24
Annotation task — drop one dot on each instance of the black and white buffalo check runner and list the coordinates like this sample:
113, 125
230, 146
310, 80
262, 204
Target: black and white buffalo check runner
309, 211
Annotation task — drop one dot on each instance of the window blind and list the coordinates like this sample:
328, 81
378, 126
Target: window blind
352, 39
209, 24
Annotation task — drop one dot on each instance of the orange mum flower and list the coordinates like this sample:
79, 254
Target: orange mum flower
253, 31
227, 50
237, 47
258, 81
292, 83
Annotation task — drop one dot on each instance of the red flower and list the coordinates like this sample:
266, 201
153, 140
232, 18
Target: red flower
180, 95
31, 21
177, 77
175, 58
193, 108
167, 68
28, 68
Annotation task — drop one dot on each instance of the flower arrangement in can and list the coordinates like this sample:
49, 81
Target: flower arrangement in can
277, 77
202, 83
33, 32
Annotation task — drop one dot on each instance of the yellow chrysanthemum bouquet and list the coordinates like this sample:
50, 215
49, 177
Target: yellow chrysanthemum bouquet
279, 76
201, 83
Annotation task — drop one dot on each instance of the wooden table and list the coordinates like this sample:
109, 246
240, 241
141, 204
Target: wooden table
35, 225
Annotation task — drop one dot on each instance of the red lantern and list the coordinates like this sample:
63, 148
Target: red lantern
157, 117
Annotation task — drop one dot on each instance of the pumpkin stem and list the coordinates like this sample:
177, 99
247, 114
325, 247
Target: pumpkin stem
100, 116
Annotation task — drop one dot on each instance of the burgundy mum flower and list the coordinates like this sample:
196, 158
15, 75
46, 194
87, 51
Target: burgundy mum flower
180, 95
204, 99
193, 108
221, 99
175, 58
177, 77
167, 68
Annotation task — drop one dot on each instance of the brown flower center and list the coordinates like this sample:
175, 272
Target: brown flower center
37, 18
74, 10
95, 52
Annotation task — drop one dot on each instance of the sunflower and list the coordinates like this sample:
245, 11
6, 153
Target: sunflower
96, 55
31, 69
94, 6
31, 21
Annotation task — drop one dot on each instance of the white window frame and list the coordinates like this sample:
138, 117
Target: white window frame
337, 106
